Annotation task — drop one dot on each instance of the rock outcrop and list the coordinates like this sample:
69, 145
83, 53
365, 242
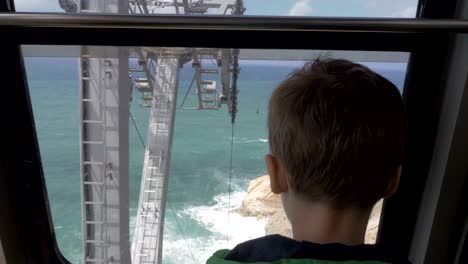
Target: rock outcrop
260, 202
373, 225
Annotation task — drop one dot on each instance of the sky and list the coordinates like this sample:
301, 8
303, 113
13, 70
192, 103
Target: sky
339, 8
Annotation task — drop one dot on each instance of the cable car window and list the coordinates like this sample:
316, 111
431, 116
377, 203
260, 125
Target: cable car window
105, 119
335, 8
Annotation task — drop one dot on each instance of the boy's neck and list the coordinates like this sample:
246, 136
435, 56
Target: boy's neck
320, 223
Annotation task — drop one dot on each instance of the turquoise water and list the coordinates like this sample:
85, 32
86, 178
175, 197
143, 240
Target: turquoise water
198, 183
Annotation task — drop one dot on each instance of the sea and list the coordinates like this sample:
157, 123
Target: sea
198, 194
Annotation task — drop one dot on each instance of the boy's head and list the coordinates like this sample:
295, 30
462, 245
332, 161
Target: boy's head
336, 133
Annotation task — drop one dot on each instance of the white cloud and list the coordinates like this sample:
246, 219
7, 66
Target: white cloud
408, 12
37, 6
301, 8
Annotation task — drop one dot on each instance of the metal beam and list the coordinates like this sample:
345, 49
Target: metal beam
197, 65
250, 23
444, 201
104, 97
148, 236
230, 31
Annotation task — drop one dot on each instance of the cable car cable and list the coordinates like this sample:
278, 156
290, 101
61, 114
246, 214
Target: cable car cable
233, 114
139, 135
187, 93
195, 260
230, 181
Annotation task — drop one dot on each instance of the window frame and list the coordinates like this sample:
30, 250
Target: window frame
29, 232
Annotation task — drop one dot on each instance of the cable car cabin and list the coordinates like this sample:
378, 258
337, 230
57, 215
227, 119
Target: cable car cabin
88, 176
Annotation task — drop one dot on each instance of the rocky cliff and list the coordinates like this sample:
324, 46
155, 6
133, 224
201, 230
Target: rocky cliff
260, 202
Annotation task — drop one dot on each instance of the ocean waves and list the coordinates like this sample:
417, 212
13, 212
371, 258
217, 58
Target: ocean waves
223, 232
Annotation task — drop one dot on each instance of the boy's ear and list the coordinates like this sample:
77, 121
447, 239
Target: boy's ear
393, 184
278, 174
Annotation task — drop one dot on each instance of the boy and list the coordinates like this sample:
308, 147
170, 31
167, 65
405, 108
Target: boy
336, 133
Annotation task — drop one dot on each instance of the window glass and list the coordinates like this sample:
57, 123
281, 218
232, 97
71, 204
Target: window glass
77, 93
337, 8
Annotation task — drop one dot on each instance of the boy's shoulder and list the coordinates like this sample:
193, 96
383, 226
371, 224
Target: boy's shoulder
278, 249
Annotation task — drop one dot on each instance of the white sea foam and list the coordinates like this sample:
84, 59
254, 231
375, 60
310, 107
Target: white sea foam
193, 249
214, 218
241, 140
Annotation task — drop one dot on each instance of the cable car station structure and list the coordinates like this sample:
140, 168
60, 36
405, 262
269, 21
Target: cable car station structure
106, 88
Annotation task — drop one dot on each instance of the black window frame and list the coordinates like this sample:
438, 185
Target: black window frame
26, 228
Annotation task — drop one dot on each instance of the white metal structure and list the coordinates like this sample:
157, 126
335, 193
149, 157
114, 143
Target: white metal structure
104, 96
104, 99
147, 240
161, 85
199, 7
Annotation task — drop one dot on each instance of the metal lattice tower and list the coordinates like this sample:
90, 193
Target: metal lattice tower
147, 240
104, 97
105, 93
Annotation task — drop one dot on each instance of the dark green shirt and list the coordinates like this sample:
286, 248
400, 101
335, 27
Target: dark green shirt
281, 250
